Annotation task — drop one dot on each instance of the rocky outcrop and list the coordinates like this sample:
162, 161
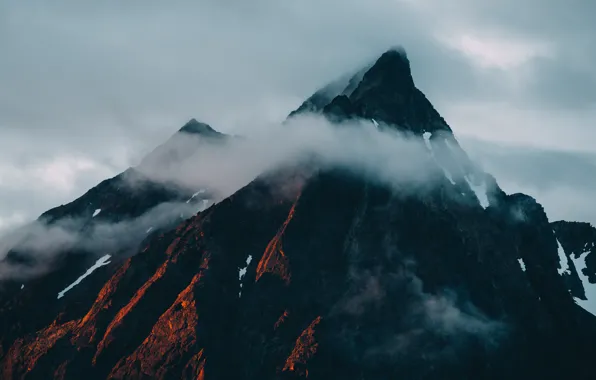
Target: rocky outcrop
304, 350
173, 344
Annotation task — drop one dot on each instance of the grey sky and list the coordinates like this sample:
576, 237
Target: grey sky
87, 88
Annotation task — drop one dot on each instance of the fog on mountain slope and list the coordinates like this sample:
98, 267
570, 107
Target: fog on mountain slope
44, 241
390, 155
383, 154
198, 157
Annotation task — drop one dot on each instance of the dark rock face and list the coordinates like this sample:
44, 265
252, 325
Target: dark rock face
386, 92
578, 241
336, 277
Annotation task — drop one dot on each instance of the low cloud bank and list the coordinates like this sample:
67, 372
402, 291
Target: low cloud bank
380, 153
419, 325
223, 166
41, 243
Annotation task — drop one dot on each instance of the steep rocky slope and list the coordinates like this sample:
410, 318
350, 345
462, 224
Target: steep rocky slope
121, 209
337, 276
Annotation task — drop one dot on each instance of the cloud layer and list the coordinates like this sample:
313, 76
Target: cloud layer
384, 154
88, 89
222, 167
562, 181
99, 238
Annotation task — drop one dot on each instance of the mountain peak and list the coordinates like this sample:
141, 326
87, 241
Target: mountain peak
194, 126
389, 75
179, 147
383, 90
392, 68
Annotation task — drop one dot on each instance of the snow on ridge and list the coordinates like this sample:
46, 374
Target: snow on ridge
448, 176
522, 264
96, 212
480, 191
563, 261
589, 288
426, 136
104, 260
195, 195
242, 273
149, 229
580, 264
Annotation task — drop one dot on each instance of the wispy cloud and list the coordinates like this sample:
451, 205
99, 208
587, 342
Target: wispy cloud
41, 243
189, 161
425, 318
386, 155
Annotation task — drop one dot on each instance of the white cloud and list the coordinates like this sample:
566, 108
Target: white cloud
61, 173
108, 81
498, 52
388, 156
54, 174
99, 237
501, 122
557, 178
11, 221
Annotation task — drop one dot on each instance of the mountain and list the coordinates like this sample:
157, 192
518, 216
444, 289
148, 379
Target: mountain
336, 276
128, 208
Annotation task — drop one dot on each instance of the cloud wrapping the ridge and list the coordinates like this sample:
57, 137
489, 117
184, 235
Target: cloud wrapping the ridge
98, 237
222, 167
387, 155
425, 319
105, 82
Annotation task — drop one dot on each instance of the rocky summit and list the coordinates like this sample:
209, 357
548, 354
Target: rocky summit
336, 277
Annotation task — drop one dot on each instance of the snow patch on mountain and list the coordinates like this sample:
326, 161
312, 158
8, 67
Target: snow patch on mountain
522, 264
589, 288
426, 136
104, 260
480, 190
96, 212
195, 195
563, 261
242, 273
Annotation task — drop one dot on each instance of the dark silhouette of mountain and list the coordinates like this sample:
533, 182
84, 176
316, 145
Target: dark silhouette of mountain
337, 276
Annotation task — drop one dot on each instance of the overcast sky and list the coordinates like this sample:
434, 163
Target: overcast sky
87, 88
